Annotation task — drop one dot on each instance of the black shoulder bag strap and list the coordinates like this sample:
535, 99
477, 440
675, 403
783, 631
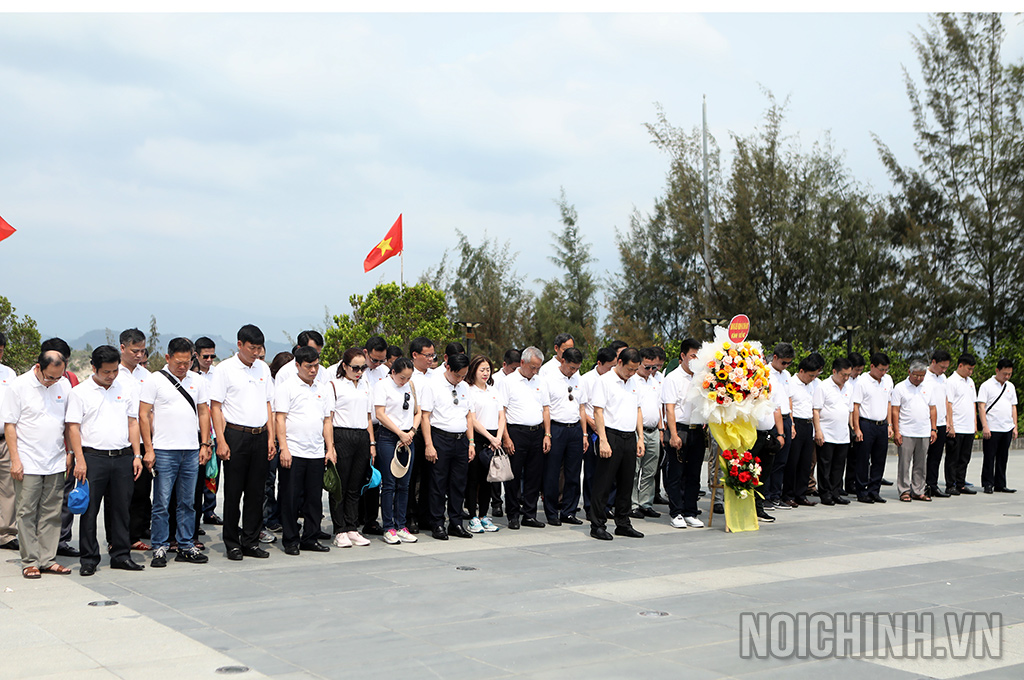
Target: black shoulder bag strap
181, 390
996, 399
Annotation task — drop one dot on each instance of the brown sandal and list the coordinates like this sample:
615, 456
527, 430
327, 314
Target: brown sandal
905, 496
31, 572
56, 569
922, 497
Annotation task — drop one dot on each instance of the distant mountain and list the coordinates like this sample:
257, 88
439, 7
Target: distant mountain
225, 348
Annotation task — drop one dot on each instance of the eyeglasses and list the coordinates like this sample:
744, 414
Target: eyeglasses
357, 369
405, 404
570, 393
455, 396
47, 378
431, 357
650, 368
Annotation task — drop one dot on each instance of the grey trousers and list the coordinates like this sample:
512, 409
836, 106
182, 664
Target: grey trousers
647, 470
913, 460
8, 523
39, 498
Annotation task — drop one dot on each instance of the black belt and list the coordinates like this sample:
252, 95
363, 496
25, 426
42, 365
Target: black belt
112, 453
247, 430
526, 428
438, 432
351, 429
649, 430
576, 424
880, 423
620, 433
806, 421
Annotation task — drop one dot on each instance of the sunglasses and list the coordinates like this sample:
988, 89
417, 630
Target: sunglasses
649, 368
357, 369
207, 357
570, 393
455, 396
405, 404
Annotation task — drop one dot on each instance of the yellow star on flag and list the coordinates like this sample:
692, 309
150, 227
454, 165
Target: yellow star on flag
385, 246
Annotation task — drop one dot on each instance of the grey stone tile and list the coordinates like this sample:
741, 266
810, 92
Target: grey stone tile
534, 656
835, 669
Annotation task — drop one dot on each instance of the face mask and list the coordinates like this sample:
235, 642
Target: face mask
693, 365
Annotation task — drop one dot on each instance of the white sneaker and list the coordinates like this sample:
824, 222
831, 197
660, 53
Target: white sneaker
342, 541
390, 537
678, 522
475, 527
488, 525
357, 538
693, 522
405, 537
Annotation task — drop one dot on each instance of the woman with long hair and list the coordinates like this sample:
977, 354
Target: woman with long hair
353, 444
489, 418
398, 410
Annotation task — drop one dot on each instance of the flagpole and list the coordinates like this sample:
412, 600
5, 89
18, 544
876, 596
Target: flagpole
401, 271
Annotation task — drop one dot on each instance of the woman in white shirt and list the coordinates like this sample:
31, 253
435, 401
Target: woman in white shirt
489, 417
353, 445
398, 410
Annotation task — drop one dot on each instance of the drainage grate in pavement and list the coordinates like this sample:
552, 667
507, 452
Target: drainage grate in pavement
466, 568
232, 670
653, 614
103, 603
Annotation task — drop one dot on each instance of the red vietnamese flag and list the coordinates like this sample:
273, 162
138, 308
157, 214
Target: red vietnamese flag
389, 246
5, 229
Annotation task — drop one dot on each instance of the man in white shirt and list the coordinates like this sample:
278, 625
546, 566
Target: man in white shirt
33, 415
240, 399
935, 380
642, 497
686, 441
913, 426
798, 467
423, 354
303, 413
103, 432
997, 411
376, 349
563, 341
563, 419
8, 525
962, 397
620, 431
850, 478
512, 360
133, 374
206, 504
447, 416
832, 432
527, 440
175, 419
779, 377
872, 427
605, 361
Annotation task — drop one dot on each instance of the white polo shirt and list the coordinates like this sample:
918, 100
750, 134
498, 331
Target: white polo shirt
915, 408
38, 414
388, 394
207, 379
873, 396
937, 385
306, 407
803, 397
650, 400
243, 391
175, 423
964, 398
557, 389
833, 411
372, 376
551, 365
674, 391
436, 398
499, 376
7, 376
587, 388
487, 405
102, 414
779, 382
291, 369
619, 399
1000, 416
350, 402
524, 399
420, 379
134, 379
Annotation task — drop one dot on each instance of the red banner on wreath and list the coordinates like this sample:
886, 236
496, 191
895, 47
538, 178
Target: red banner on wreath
739, 328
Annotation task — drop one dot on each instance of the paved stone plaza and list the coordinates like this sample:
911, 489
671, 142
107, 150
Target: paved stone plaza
539, 603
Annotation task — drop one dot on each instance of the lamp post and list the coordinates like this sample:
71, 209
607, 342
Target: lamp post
715, 321
469, 328
849, 336
966, 333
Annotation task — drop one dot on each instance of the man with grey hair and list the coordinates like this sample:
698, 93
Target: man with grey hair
913, 426
526, 438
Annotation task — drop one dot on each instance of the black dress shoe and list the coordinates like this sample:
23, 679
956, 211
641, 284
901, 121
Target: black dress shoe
877, 498
313, 546
234, 554
967, 491
628, 532
323, 536
255, 551
865, 499
1006, 490
11, 545
555, 522
458, 531
374, 529
660, 500
842, 492
572, 520
842, 501
87, 570
987, 489
636, 513
212, 519
496, 511
513, 523
827, 501
600, 534
886, 482
650, 512
531, 522
440, 534
65, 550
952, 491
127, 565
719, 509
701, 493
201, 532
938, 493
413, 526
291, 550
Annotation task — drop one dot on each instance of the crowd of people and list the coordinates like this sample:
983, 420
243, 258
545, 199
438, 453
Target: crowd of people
408, 445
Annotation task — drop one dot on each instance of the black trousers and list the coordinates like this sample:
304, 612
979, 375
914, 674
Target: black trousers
448, 476
682, 477
995, 451
931, 476
300, 492
564, 458
850, 479
831, 465
140, 517
352, 447
67, 518
478, 489
110, 482
418, 508
245, 479
958, 457
620, 470
369, 502
760, 449
523, 490
871, 458
798, 466
778, 471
